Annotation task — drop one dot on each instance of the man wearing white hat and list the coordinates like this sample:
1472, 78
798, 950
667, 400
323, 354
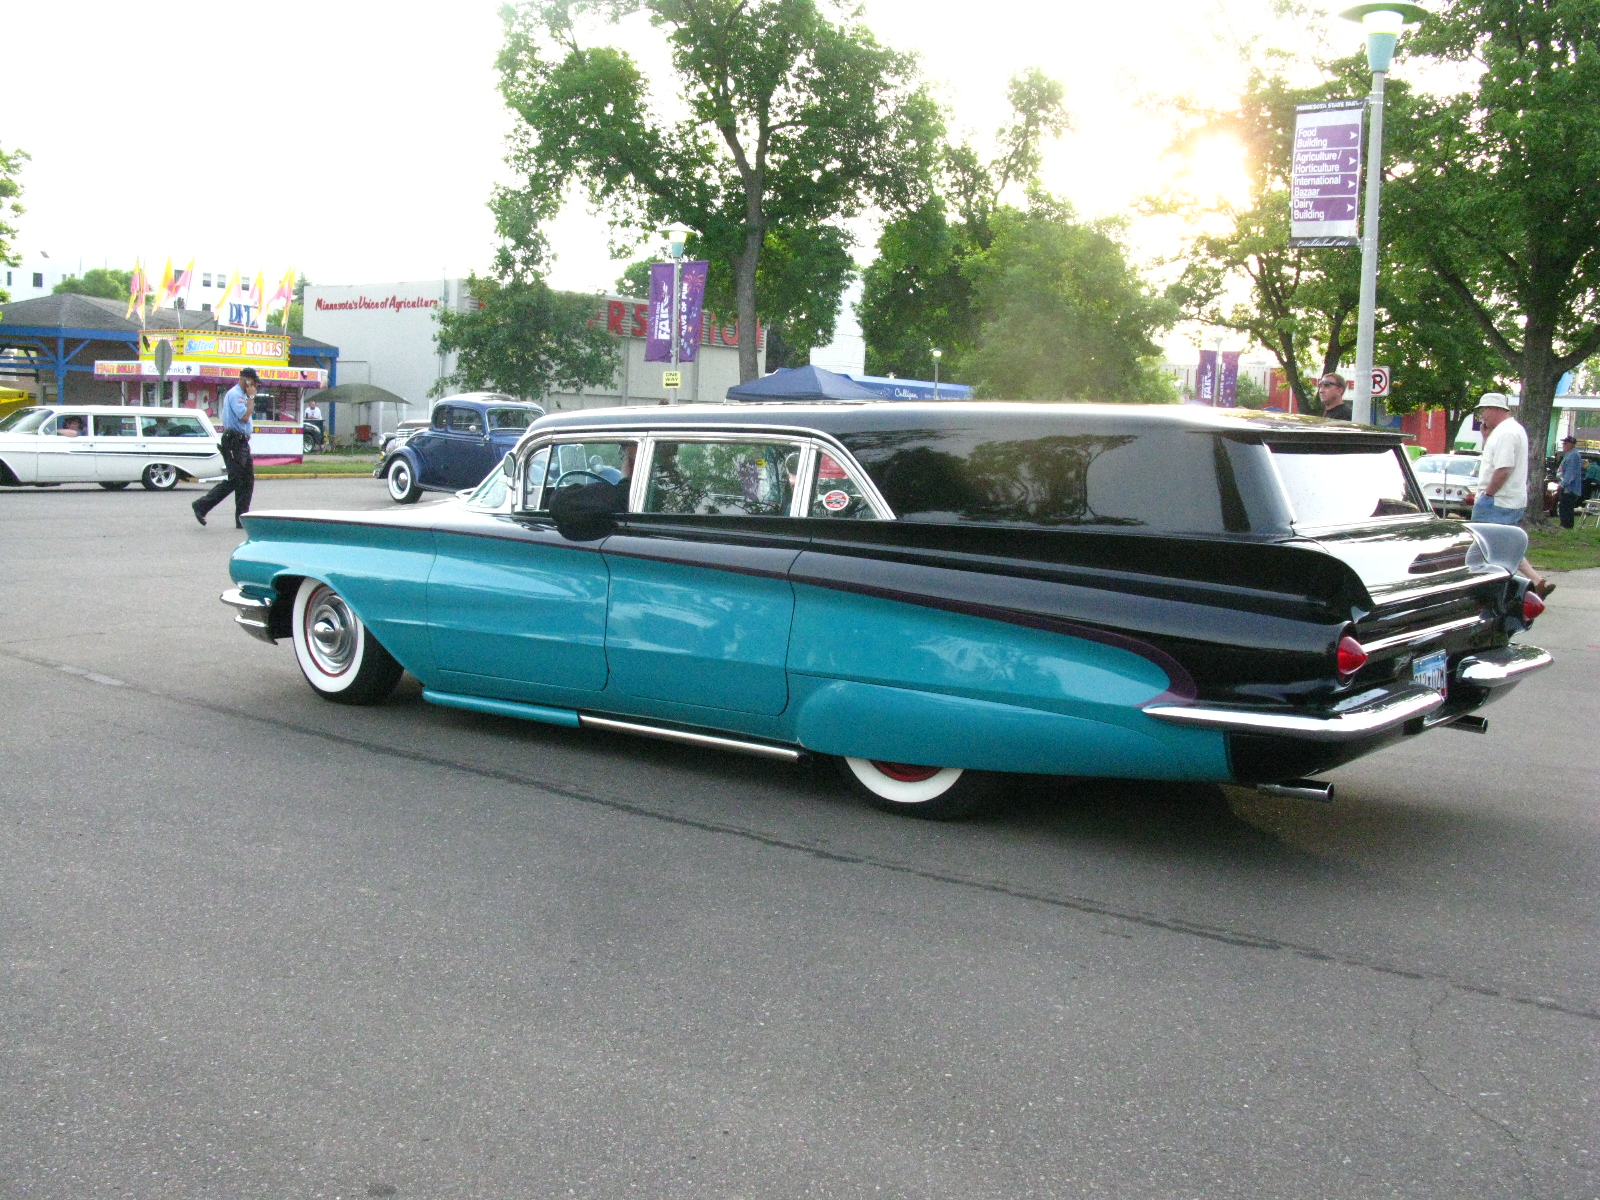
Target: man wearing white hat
1503, 474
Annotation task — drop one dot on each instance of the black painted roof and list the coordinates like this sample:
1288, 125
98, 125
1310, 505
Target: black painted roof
845, 418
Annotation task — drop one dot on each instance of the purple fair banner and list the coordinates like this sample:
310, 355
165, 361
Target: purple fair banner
694, 300
658, 318
1205, 378
1228, 392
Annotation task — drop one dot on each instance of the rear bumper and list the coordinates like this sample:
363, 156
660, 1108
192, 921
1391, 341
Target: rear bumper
1494, 669
254, 614
1393, 710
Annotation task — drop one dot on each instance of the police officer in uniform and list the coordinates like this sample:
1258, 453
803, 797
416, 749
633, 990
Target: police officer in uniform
241, 481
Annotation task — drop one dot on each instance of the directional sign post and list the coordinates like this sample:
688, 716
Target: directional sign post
1325, 185
163, 357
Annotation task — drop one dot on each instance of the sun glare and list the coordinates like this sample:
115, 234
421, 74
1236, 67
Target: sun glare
1213, 172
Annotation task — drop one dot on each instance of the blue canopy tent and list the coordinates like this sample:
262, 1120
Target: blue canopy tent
913, 389
801, 384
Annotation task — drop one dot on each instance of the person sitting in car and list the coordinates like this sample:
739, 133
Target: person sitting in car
70, 427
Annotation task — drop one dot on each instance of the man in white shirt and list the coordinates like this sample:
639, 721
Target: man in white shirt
1503, 474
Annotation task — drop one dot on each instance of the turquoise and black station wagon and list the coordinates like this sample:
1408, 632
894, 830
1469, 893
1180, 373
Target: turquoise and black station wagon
936, 595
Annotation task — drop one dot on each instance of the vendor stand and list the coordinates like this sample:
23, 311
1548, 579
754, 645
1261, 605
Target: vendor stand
205, 364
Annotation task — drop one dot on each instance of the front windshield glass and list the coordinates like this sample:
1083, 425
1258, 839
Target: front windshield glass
491, 493
25, 420
511, 418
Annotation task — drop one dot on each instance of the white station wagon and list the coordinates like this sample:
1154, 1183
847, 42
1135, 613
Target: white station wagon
110, 445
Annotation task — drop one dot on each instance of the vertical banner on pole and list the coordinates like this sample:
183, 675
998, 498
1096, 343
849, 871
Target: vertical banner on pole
1325, 179
1205, 378
658, 316
1228, 390
694, 300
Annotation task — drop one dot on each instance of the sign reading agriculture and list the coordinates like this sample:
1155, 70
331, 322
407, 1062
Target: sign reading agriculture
1325, 180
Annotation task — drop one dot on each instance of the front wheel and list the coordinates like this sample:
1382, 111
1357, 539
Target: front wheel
159, 477
340, 659
932, 793
115, 487
403, 487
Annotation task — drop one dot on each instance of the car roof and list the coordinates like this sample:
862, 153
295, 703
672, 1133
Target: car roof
123, 409
847, 417
486, 399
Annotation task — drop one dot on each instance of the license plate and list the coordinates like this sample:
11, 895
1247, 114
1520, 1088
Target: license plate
1432, 671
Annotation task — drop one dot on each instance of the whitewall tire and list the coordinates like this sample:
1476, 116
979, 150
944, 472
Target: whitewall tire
403, 487
339, 657
935, 793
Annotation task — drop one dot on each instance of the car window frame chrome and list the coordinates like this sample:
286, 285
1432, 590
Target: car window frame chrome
811, 442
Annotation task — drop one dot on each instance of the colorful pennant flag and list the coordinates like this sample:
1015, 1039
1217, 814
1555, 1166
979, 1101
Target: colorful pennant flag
284, 293
222, 304
136, 289
183, 282
164, 290
259, 295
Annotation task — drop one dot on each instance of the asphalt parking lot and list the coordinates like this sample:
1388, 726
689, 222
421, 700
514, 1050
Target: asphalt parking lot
256, 945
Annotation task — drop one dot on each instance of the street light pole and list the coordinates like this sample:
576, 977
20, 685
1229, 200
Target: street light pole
1382, 21
677, 238
937, 355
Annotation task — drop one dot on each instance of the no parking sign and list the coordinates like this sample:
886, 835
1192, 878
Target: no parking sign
1380, 381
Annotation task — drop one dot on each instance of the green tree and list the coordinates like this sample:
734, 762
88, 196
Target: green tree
794, 123
1063, 316
917, 294
1496, 189
10, 207
522, 338
107, 283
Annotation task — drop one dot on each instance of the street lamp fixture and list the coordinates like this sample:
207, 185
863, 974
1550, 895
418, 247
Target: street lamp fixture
1382, 20
677, 237
937, 355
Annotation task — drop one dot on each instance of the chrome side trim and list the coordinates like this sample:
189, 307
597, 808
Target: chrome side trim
1499, 668
1421, 635
761, 749
254, 614
1396, 709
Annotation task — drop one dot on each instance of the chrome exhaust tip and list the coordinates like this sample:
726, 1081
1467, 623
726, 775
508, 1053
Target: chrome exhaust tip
1299, 789
1471, 724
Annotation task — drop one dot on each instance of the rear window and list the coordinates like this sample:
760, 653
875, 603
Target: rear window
1163, 480
1344, 485
511, 418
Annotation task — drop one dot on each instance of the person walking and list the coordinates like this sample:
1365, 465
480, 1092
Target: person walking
1330, 390
241, 481
1571, 482
1503, 475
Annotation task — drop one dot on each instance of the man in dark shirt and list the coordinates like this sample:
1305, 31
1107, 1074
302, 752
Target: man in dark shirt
1330, 390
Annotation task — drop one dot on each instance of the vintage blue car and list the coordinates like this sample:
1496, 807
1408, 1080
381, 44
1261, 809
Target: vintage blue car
936, 595
467, 436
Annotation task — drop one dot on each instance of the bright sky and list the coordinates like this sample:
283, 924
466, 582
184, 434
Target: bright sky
357, 141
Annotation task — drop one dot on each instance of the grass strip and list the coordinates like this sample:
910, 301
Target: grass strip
1556, 549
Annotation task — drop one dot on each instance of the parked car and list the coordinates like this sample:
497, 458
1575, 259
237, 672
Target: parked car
396, 437
1449, 482
933, 594
108, 444
463, 441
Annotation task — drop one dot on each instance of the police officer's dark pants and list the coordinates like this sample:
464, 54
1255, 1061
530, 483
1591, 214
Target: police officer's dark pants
1567, 506
241, 479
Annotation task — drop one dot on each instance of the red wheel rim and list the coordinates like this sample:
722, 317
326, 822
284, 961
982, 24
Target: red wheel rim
906, 772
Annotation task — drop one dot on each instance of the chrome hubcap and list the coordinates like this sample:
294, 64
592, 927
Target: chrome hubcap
162, 476
399, 480
332, 628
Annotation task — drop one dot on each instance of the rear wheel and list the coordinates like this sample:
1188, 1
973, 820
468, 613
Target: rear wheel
933, 793
115, 487
403, 487
340, 659
159, 477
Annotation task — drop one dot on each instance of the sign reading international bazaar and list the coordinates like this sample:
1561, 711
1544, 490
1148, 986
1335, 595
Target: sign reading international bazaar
1325, 179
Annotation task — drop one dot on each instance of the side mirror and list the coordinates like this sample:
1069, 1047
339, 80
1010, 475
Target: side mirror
508, 466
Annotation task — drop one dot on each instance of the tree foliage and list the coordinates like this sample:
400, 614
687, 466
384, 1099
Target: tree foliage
793, 122
10, 207
105, 282
1496, 189
523, 339
917, 294
1063, 315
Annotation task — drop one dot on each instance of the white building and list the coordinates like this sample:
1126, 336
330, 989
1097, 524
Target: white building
847, 352
386, 337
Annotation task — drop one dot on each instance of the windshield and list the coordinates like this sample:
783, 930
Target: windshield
1332, 484
511, 418
25, 420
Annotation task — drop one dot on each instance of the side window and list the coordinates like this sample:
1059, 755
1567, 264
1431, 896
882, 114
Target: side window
835, 494
73, 425
441, 416
115, 426
576, 464
172, 427
465, 420
730, 479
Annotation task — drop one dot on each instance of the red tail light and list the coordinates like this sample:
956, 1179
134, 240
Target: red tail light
1352, 656
1532, 606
